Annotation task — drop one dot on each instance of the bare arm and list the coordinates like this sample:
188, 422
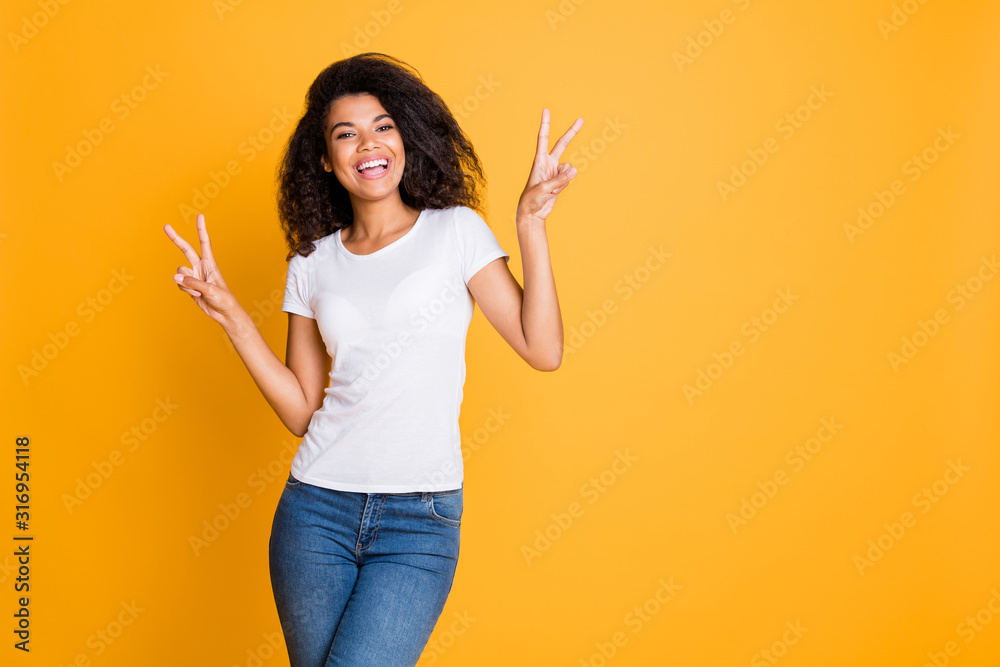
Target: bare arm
529, 319
294, 389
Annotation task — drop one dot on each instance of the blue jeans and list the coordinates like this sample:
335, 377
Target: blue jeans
361, 578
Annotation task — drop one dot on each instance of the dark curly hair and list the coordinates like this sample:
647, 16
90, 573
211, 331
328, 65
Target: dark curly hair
441, 170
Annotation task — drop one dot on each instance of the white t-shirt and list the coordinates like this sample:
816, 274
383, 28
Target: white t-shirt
394, 322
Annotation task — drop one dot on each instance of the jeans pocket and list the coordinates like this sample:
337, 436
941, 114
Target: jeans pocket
446, 507
292, 483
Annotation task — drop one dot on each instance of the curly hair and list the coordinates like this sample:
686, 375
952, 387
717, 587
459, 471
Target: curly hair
441, 170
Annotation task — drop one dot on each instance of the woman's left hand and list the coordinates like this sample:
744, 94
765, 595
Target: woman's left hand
548, 177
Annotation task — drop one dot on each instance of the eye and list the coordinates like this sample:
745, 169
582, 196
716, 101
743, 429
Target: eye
344, 134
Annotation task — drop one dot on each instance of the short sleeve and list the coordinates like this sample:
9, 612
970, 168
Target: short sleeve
477, 245
297, 290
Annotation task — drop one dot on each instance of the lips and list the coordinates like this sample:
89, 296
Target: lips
373, 170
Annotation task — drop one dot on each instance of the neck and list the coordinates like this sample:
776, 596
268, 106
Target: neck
376, 219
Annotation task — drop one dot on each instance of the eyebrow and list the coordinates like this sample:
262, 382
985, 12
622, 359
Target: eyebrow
349, 124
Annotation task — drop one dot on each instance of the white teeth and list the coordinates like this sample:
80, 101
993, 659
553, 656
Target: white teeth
373, 163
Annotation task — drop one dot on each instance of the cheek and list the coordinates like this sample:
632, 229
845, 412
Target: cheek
344, 177
342, 167
399, 151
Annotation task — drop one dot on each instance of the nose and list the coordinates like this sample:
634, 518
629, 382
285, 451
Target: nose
369, 141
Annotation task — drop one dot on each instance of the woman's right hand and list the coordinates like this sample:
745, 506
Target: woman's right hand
203, 280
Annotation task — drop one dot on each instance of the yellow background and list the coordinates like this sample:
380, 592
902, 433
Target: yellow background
661, 137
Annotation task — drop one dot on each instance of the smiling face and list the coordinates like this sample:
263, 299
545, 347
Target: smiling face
363, 147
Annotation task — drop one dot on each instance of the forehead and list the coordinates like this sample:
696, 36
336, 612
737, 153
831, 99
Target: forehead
359, 108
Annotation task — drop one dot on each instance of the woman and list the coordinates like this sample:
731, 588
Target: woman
378, 191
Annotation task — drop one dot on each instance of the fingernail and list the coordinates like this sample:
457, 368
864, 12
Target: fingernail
178, 278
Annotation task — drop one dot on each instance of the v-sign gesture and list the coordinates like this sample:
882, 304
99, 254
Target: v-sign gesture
203, 280
548, 177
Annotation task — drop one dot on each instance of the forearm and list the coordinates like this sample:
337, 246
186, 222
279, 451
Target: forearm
541, 319
276, 381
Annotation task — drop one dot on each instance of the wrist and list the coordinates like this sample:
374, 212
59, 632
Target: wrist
528, 221
238, 324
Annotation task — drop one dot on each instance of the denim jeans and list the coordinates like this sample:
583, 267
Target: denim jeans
360, 579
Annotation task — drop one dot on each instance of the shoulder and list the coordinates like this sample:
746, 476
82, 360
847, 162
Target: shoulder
453, 214
465, 214
464, 221
322, 247
453, 222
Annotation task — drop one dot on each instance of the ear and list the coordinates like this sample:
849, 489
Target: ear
322, 159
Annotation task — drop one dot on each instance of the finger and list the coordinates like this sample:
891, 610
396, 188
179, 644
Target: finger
192, 283
564, 140
189, 252
543, 136
184, 270
559, 170
560, 189
206, 245
185, 289
559, 181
